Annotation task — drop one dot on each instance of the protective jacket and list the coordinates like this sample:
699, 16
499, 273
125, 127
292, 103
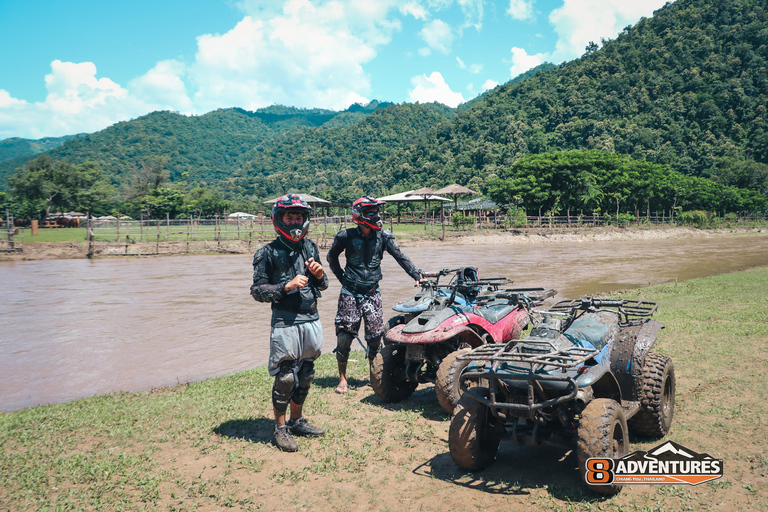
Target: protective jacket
363, 270
274, 265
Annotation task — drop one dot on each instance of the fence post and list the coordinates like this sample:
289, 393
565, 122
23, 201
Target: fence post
89, 232
167, 227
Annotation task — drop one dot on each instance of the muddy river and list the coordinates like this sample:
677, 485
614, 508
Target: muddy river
76, 328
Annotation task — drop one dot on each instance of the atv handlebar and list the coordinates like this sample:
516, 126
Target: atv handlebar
518, 296
440, 273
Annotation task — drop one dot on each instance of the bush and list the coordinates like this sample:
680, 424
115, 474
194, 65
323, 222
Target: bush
515, 217
458, 219
621, 220
695, 218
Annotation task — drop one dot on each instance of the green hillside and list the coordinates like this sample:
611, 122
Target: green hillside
16, 147
687, 88
209, 147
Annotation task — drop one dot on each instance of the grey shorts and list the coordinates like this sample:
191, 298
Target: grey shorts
295, 343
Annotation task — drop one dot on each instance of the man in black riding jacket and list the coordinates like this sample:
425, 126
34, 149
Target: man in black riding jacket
360, 297
288, 273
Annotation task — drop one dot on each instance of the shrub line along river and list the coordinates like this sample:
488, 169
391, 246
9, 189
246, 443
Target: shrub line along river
75, 328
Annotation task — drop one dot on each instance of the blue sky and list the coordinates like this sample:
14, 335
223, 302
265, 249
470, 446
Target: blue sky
71, 66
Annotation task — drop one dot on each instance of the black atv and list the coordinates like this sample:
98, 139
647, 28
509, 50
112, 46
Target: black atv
584, 376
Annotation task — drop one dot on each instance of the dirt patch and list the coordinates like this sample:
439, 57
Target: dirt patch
579, 235
379, 456
47, 251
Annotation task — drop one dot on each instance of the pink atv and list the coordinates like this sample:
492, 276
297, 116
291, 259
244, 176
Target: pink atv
426, 348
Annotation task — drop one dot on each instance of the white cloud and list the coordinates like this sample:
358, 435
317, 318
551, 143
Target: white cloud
77, 101
489, 84
438, 35
522, 62
433, 88
473, 68
308, 56
6, 100
473, 13
163, 87
521, 9
578, 22
414, 9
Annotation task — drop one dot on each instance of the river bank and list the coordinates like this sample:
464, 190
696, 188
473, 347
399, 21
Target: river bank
75, 250
205, 445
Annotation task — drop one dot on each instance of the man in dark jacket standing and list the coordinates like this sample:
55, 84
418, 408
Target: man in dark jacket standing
288, 273
360, 297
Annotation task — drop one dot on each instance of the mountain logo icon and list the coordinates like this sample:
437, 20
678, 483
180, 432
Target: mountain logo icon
668, 463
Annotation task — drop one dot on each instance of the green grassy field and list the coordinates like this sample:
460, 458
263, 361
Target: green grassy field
205, 445
54, 235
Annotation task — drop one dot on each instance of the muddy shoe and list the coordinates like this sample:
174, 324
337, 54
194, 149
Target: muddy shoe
301, 427
282, 439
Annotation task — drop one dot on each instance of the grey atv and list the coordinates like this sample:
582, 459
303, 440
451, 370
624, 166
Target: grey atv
584, 376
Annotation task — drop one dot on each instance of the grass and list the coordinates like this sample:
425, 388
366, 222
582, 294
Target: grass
54, 235
205, 445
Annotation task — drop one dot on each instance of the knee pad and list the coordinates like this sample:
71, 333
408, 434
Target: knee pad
282, 389
343, 346
373, 347
306, 375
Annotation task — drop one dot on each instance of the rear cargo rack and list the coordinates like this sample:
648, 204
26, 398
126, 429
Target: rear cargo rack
625, 308
537, 359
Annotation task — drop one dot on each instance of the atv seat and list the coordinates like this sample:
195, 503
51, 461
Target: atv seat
594, 329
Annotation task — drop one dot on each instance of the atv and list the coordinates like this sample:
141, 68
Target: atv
425, 349
432, 292
584, 376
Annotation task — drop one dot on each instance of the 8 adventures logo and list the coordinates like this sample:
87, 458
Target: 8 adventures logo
668, 463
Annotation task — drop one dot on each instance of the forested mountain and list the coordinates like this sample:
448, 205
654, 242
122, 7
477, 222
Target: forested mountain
686, 90
208, 147
339, 163
16, 147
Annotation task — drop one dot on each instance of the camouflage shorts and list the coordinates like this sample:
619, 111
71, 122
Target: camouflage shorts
352, 310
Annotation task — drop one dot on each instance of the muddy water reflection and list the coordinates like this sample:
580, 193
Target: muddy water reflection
75, 328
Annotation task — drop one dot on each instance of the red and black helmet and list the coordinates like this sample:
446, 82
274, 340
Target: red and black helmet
291, 203
365, 212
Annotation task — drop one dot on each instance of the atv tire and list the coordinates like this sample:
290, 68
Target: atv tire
602, 433
388, 374
656, 392
447, 383
475, 433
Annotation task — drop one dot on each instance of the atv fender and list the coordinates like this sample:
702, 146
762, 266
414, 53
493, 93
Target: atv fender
396, 335
646, 338
628, 353
602, 381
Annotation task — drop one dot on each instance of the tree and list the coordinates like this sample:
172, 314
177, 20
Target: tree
163, 202
60, 184
41, 179
147, 176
